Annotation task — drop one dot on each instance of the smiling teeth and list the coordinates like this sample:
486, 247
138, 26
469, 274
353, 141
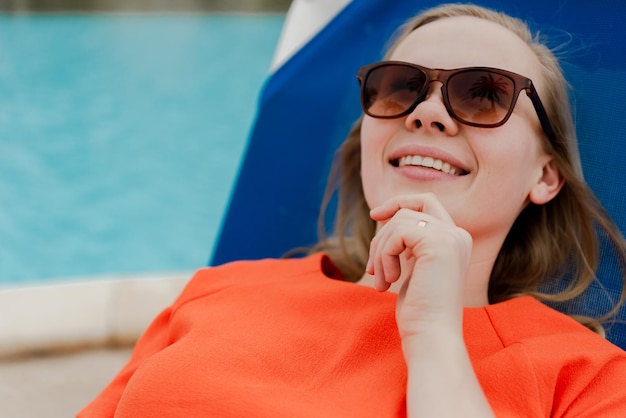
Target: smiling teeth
429, 162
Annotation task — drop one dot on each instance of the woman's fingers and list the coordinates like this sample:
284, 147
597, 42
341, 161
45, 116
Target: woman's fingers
424, 202
390, 242
408, 212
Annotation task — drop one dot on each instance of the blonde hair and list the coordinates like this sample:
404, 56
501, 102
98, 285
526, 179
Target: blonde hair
545, 240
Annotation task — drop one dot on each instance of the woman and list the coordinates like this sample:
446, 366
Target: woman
461, 190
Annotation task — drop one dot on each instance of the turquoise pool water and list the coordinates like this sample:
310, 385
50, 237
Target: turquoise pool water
120, 137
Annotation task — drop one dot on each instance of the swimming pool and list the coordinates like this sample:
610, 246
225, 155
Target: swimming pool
120, 137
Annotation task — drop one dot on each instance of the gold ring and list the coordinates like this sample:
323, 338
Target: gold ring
422, 224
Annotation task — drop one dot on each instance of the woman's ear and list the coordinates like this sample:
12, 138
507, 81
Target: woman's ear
548, 185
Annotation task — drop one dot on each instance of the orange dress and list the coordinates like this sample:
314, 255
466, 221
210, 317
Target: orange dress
290, 338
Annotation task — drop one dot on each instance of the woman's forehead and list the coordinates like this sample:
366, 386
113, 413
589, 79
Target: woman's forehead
467, 41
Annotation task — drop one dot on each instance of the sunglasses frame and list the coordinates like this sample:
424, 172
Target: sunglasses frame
520, 84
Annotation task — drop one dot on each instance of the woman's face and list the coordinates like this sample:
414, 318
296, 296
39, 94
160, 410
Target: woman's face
497, 169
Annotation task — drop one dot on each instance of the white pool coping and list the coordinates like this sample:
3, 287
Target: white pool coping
95, 312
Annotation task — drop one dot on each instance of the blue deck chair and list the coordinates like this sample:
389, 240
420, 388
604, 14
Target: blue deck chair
308, 105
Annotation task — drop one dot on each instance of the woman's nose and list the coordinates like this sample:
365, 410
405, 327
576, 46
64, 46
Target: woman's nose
431, 114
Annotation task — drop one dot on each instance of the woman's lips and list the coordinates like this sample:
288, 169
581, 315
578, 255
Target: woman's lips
428, 162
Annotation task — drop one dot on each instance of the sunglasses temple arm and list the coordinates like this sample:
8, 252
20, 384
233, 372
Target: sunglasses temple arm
541, 112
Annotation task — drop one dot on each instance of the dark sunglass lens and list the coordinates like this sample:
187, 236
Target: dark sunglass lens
481, 97
390, 90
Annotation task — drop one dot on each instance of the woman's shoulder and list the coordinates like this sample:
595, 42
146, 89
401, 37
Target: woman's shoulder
546, 333
550, 355
246, 273
525, 318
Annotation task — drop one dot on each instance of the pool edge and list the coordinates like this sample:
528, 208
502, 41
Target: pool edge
106, 312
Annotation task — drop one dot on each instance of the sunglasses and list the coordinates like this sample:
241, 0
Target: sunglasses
475, 96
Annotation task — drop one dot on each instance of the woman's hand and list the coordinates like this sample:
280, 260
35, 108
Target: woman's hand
420, 244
